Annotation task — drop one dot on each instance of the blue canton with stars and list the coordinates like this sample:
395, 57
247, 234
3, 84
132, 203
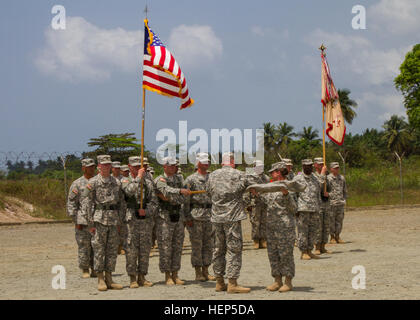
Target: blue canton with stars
156, 40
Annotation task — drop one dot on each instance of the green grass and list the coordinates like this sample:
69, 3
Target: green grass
47, 195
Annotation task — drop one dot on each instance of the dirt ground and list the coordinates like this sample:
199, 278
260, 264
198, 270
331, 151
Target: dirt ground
385, 242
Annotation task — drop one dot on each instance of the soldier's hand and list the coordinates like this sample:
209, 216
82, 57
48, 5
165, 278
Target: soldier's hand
142, 212
284, 191
92, 230
253, 191
326, 194
185, 192
189, 223
323, 170
141, 173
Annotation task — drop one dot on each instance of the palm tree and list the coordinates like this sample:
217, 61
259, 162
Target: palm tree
397, 134
309, 134
347, 105
284, 134
269, 136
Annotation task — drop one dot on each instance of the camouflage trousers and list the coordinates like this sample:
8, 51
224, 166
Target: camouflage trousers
307, 226
170, 237
154, 231
123, 236
259, 222
324, 224
336, 219
139, 244
84, 244
201, 238
280, 244
105, 247
228, 241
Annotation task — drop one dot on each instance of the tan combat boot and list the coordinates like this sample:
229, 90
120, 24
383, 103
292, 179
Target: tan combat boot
168, 279
233, 287
305, 256
133, 282
263, 244
85, 273
287, 285
206, 274
313, 256
278, 283
199, 275
101, 283
176, 279
318, 248
110, 283
332, 239
338, 239
93, 273
220, 284
143, 282
324, 250
256, 244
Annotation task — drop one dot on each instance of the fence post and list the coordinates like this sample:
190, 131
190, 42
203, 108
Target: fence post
401, 179
65, 176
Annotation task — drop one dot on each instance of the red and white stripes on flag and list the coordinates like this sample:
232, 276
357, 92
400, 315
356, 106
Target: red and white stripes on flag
161, 72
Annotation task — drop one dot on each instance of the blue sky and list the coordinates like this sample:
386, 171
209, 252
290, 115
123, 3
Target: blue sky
246, 63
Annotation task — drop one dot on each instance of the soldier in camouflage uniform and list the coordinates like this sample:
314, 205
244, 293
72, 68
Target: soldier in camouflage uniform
125, 171
170, 221
258, 209
104, 206
74, 210
289, 166
338, 196
225, 187
116, 170
151, 173
140, 222
197, 208
324, 210
308, 209
281, 235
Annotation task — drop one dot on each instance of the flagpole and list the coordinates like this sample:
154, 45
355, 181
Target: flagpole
322, 48
143, 115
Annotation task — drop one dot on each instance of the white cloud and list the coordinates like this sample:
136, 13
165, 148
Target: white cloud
360, 57
86, 52
194, 45
395, 16
388, 104
270, 32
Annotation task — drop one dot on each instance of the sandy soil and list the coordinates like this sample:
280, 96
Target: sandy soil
18, 211
385, 242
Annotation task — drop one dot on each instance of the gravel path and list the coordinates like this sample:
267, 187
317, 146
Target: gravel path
385, 242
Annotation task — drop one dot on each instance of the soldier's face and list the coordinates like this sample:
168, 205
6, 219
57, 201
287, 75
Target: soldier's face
335, 171
90, 171
307, 169
116, 171
105, 169
125, 173
289, 168
134, 169
170, 169
203, 166
276, 174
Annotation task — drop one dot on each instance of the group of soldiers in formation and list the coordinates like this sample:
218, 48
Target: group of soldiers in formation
130, 210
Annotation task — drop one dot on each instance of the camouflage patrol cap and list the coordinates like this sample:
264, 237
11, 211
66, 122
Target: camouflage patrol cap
277, 166
202, 157
116, 164
124, 167
134, 161
145, 161
88, 162
334, 165
169, 161
104, 159
307, 162
150, 169
319, 160
288, 162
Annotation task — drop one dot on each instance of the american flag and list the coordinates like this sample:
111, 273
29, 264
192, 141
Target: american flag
161, 73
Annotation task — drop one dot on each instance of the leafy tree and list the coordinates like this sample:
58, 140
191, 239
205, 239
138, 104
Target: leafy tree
309, 135
284, 134
408, 82
347, 105
397, 134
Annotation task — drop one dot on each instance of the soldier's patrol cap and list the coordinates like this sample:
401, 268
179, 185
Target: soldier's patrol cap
334, 165
145, 161
134, 161
88, 162
150, 169
116, 164
319, 160
104, 159
277, 166
307, 162
169, 161
288, 162
124, 167
177, 162
202, 157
